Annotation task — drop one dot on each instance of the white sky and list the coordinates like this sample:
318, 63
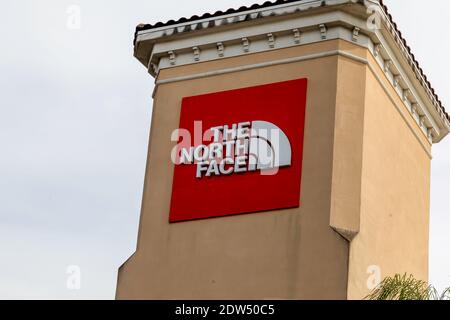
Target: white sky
74, 120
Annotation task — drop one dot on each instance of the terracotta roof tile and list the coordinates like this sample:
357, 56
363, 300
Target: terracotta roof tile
141, 27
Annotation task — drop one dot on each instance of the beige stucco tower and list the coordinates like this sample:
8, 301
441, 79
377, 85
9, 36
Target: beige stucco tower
371, 120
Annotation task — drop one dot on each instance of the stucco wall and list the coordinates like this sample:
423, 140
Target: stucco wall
348, 143
395, 188
365, 174
290, 254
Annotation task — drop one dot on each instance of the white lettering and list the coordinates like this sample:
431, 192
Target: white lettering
240, 164
201, 167
187, 155
213, 168
236, 148
222, 166
201, 153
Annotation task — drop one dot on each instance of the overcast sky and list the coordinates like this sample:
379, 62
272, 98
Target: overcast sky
75, 112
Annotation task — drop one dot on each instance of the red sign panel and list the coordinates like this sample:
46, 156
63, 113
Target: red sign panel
222, 170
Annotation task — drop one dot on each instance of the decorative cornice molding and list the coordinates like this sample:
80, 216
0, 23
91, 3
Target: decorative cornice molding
377, 49
406, 95
414, 110
245, 44
387, 65
213, 48
220, 49
297, 36
323, 31
323, 25
397, 80
355, 34
172, 58
271, 40
196, 51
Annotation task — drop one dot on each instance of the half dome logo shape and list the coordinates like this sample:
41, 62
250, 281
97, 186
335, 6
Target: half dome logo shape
269, 147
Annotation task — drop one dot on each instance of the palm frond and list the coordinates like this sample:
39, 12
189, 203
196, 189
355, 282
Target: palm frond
402, 287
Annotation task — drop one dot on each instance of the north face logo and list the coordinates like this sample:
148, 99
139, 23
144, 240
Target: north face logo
238, 151
241, 147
